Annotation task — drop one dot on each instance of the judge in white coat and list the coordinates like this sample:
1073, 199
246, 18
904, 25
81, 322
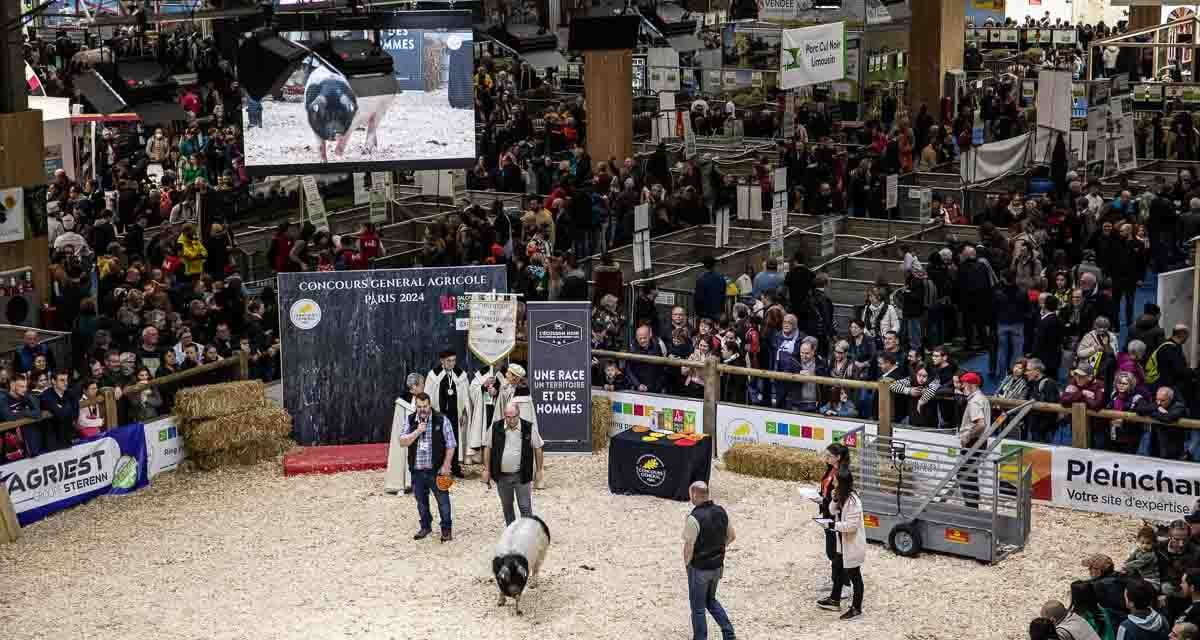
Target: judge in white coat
481, 410
847, 521
446, 386
513, 385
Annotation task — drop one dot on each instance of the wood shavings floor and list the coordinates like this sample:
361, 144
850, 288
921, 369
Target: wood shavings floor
246, 553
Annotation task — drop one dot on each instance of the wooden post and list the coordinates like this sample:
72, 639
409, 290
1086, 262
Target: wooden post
885, 409
712, 395
111, 415
1079, 426
10, 527
243, 365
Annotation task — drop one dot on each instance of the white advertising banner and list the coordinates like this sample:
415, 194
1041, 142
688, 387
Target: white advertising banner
994, 159
651, 410
739, 423
164, 446
812, 55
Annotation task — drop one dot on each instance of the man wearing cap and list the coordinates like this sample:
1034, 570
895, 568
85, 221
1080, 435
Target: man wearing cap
1083, 386
977, 415
446, 386
513, 385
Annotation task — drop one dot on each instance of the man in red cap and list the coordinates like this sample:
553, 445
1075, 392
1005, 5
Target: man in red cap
977, 415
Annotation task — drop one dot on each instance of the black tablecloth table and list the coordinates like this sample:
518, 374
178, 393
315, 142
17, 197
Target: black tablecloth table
661, 468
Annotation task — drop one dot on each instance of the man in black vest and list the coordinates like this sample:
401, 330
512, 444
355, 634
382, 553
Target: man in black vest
706, 534
512, 447
430, 441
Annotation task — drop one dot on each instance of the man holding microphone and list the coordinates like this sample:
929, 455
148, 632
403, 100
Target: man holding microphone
435, 444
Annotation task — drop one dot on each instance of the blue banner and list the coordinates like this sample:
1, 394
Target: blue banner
560, 370
114, 463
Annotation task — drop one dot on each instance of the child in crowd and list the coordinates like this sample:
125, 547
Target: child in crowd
1143, 561
614, 379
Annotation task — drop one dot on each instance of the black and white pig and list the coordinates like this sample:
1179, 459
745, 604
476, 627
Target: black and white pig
519, 555
335, 111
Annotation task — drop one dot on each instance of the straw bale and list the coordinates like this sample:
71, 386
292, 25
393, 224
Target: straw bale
775, 461
218, 400
243, 454
226, 432
601, 422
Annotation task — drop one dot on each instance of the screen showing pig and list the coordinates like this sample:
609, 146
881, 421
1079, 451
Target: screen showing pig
343, 109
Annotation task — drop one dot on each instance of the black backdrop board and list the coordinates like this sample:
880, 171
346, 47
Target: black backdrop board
351, 337
560, 369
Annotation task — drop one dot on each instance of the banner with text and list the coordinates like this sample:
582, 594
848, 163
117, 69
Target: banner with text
164, 446
636, 409
341, 329
740, 423
812, 55
112, 464
492, 327
560, 367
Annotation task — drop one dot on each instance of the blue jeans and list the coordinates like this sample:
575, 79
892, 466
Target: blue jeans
1011, 339
912, 327
423, 482
702, 596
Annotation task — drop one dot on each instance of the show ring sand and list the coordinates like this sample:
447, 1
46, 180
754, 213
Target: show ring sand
247, 553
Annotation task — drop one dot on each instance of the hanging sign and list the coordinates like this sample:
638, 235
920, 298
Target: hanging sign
313, 204
812, 55
560, 356
492, 326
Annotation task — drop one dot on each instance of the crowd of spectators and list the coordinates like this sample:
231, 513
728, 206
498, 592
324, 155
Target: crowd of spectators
1044, 290
1153, 595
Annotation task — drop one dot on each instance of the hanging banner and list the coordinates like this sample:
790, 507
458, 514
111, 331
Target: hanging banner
893, 191
778, 223
689, 138
560, 367
314, 204
721, 237
12, 215
813, 55
361, 194
111, 464
492, 326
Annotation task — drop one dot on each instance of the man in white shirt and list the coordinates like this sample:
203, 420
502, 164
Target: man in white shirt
513, 458
977, 415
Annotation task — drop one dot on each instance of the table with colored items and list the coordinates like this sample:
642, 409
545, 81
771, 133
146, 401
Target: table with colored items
657, 464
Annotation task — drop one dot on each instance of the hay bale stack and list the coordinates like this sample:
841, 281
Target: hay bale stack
219, 400
601, 422
233, 430
231, 423
775, 461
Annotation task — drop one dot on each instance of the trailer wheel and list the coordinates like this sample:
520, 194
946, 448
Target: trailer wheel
905, 540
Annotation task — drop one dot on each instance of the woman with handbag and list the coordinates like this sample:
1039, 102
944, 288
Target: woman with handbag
847, 524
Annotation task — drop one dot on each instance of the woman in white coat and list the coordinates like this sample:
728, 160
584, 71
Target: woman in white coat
846, 509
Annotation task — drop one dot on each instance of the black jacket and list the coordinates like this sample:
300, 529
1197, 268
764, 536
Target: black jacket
1048, 342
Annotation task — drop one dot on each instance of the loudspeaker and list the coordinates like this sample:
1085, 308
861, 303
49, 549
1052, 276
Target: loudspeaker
460, 86
98, 92
265, 61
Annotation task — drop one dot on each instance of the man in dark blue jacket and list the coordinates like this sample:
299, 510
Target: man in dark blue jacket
23, 360
710, 291
643, 376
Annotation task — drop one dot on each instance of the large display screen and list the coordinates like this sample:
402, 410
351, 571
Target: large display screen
395, 96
